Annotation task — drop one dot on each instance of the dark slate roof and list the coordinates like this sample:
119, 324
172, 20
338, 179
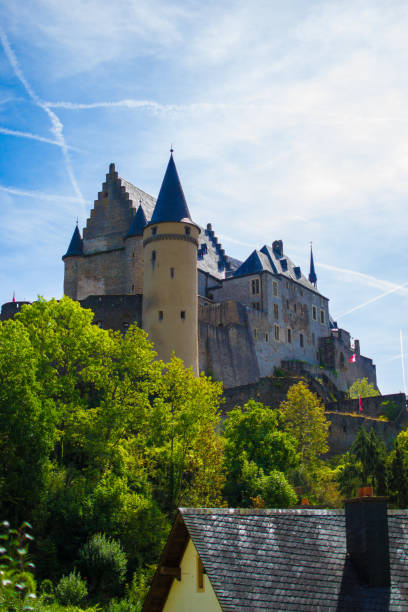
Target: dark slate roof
212, 258
284, 560
274, 261
171, 204
312, 273
138, 224
255, 263
76, 245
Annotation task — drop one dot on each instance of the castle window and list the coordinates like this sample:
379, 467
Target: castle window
313, 339
294, 307
172, 272
255, 286
187, 231
289, 335
161, 315
276, 311
256, 305
276, 331
133, 287
287, 304
200, 575
322, 317
301, 291
153, 256
275, 288
341, 360
314, 313
154, 231
133, 254
287, 284
266, 337
301, 341
183, 314
255, 333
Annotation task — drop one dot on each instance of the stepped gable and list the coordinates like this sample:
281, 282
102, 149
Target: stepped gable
139, 198
211, 256
76, 245
171, 204
138, 224
117, 208
111, 216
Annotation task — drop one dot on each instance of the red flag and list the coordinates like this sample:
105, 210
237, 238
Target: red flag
360, 403
14, 296
353, 358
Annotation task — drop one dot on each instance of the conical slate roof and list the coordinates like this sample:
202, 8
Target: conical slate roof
75, 246
312, 273
171, 204
138, 223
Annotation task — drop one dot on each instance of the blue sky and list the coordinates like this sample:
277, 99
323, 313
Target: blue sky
289, 121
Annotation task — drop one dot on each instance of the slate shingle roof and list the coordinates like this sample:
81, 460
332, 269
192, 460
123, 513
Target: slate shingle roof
76, 244
171, 204
291, 560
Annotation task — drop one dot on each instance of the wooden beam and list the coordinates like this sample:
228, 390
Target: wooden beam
171, 571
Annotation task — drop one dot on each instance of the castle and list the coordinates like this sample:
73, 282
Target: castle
146, 261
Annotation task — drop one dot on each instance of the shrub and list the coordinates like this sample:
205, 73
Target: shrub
71, 590
103, 562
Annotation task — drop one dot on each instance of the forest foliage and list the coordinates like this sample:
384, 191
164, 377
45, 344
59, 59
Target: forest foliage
100, 442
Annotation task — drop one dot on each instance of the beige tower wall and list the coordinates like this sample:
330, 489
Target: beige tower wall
170, 288
134, 264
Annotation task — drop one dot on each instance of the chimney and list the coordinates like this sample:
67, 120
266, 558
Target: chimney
367, 537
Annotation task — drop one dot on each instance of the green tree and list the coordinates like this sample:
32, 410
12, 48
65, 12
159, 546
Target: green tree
255, 449
303, 417
362, 388
364, 464
398, 468
98, 435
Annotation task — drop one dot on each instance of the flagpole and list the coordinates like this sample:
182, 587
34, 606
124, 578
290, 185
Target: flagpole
402, 364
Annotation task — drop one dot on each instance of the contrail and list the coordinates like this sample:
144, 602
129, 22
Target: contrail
375, 299
39, 195
372, 281
56, 125
31, 136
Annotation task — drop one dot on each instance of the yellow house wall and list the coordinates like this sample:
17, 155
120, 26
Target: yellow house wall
171, 294
183, 595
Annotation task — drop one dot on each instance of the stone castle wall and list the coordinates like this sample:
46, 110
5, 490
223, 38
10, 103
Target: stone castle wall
226, 348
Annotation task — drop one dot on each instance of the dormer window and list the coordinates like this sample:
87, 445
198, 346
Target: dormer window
187, 231
154, 231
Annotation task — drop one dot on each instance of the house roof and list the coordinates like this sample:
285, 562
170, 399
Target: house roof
292, 559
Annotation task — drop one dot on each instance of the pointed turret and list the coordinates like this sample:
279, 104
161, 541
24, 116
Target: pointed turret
138, 224
75, 246
171, 204
312, 273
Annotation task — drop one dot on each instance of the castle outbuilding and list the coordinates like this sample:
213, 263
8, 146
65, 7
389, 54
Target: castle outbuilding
146, 261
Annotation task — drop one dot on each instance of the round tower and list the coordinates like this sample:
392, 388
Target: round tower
134, 253
170, 302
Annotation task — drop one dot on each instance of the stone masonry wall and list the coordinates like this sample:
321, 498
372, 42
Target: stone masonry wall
226, 349
115, 311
